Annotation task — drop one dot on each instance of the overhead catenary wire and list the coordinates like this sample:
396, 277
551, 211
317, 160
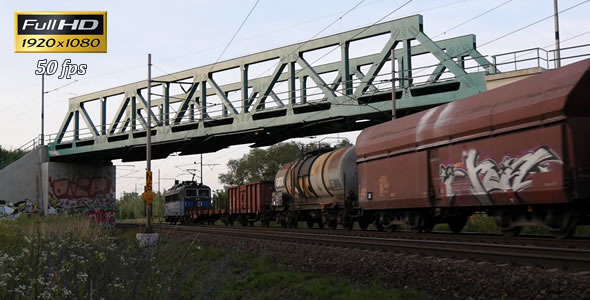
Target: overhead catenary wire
472, 18
533, 23
228, 44
235, 34
357, 34
317, 34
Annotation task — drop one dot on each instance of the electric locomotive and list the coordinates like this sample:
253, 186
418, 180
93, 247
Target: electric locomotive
185, 199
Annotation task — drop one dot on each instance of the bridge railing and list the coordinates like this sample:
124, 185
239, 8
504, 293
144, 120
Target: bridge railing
31, 145
538, 58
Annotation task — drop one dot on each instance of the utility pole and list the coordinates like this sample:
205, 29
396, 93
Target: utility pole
42, 109
148, 194
557, 46
393, 113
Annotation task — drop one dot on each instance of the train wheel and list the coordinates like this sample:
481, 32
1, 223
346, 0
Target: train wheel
564, 232
310, 223
363, 224
379, 226
562, 225
567, 228
510, 232
505, 223
415, 222
457, 224
348, 223
251, 223
321, 224
428, 226
393, 228
333, 224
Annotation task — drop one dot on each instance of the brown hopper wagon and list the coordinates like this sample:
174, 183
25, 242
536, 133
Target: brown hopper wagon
520, 152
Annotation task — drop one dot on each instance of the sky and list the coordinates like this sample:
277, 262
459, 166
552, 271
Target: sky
186, 34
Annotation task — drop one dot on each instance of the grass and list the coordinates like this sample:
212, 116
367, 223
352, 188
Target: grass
62, 257
264, 280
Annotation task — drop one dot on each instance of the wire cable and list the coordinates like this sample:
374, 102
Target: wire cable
471, 19
235, 34
531, 24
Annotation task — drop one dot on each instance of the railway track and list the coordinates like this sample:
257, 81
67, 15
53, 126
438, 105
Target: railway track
528, 250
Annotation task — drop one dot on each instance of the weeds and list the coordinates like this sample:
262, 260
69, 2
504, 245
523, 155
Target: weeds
63, 257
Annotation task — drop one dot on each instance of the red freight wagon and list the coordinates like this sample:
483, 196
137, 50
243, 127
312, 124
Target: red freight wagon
251, 202
519, 152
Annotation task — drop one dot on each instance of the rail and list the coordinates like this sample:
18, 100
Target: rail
571, 258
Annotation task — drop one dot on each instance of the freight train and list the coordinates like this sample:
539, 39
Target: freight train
519, 153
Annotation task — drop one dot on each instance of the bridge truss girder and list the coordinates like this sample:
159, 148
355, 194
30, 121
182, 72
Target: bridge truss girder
262, 115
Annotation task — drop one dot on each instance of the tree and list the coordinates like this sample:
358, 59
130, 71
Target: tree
219, 199
263, 164
132, 206
260, 164
9, 156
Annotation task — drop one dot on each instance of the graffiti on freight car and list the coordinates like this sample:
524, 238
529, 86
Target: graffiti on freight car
92, 197
511, 175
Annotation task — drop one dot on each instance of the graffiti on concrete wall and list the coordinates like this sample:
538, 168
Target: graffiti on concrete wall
91, 196
511, 175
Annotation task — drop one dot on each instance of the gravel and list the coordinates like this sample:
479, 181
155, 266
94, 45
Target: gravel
438, 277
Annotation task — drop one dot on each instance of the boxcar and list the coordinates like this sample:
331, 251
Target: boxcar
519, 152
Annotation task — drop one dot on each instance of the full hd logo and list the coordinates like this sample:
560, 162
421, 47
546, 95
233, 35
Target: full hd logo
60, 31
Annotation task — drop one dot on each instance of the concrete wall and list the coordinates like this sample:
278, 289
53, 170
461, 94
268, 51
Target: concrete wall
68, 188
498, 80
22, 179
87, 189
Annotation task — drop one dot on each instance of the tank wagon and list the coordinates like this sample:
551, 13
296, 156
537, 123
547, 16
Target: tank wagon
320, 188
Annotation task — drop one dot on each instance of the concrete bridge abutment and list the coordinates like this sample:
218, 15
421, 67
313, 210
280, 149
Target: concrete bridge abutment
87, 188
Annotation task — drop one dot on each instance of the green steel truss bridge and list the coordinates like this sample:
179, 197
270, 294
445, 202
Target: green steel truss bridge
211, 107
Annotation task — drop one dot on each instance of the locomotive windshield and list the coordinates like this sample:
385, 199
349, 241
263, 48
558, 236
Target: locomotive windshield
172, 198
190, 193
203, 193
